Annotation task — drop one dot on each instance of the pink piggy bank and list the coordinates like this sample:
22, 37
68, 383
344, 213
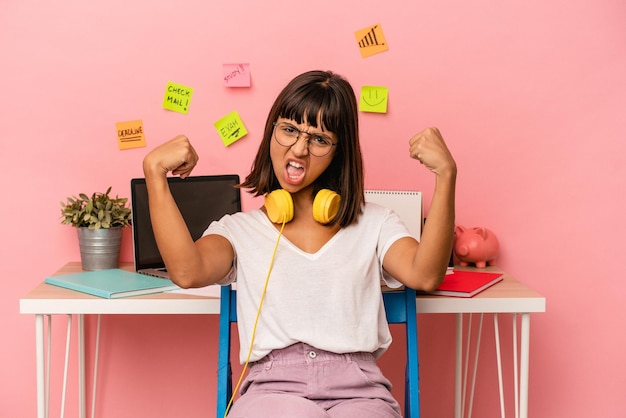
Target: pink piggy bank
476, 245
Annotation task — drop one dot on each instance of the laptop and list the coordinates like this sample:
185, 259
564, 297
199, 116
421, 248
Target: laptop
200, 199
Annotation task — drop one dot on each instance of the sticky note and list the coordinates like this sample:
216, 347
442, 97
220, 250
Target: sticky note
177, 97
130, 134
236, 75
374, 99
230, 128
371, 40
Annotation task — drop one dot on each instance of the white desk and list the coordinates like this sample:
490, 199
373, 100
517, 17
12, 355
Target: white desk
508, 296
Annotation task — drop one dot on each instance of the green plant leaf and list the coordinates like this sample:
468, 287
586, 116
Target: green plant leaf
97, 211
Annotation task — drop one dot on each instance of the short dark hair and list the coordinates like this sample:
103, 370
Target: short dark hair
331, 97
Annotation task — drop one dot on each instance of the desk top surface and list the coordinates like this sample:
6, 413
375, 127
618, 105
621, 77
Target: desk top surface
507, 296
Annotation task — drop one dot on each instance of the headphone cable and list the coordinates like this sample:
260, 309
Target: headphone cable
256, 321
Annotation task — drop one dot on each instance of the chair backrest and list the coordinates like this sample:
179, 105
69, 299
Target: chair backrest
400, 309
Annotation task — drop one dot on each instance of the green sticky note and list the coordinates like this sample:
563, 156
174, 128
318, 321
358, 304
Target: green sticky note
374, 99
230, 128
177, 97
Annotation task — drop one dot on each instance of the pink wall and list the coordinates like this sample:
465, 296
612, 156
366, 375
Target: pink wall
530, 96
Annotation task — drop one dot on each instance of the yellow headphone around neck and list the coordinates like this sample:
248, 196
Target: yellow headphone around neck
279, 206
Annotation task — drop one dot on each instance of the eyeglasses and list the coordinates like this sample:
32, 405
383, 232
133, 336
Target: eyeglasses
287, 135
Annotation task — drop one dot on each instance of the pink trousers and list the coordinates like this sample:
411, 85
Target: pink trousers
301, 381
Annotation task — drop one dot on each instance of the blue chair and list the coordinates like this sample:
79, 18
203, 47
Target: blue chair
400, 309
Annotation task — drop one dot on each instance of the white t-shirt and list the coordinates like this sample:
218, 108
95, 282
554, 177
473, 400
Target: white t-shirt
330, 299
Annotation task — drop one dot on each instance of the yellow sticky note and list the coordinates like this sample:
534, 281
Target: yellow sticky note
374, 99
177, 97
230, 128
371, 40
130, 134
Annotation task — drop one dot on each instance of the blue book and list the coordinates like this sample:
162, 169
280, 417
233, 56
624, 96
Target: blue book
112, 283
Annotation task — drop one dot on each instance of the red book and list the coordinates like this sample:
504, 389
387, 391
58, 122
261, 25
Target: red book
465, 284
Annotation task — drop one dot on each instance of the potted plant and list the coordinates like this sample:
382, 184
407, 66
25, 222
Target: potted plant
99, 221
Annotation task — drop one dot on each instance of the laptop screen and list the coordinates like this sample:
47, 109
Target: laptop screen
200, 199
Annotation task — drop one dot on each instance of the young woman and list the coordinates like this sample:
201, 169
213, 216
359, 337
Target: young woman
322, 324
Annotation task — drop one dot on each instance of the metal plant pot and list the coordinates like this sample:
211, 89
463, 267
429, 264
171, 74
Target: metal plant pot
100, 248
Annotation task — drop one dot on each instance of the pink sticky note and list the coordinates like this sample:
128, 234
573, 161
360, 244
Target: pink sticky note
236, 75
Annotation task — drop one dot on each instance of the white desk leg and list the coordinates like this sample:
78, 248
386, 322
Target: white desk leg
39, 352
68, 338
496, 331
47, 363
515, 366
95, 370
82, 413
459, 361
475, 372
524, 363
466, 364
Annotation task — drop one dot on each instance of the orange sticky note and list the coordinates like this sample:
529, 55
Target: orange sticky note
371, 40
130, 134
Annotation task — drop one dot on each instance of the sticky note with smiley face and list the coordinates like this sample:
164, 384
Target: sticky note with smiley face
374, 99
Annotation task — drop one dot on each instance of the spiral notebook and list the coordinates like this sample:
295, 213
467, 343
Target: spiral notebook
407, 204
